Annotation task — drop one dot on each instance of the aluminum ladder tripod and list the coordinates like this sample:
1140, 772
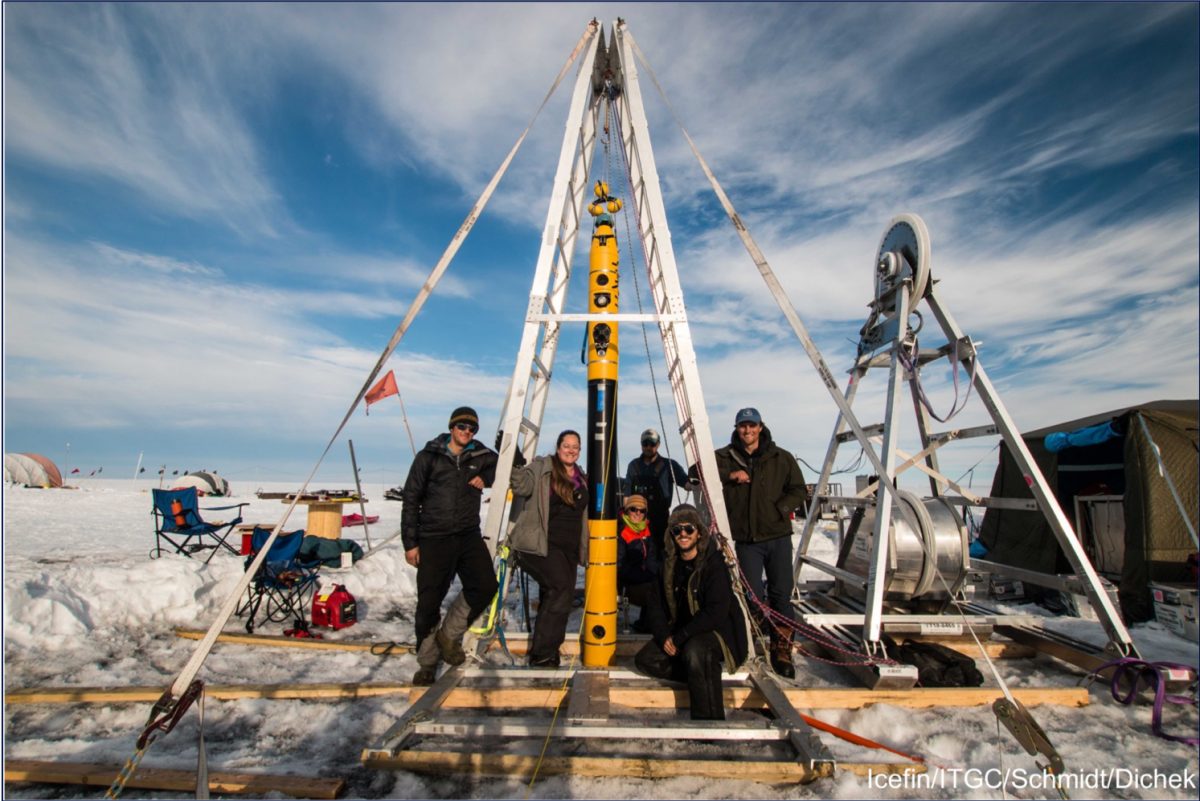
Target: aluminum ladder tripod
601, 71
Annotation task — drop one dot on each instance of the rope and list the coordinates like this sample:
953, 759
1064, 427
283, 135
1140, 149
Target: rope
188, 674
914, 372
126, 773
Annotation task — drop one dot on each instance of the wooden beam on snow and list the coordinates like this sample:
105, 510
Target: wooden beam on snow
106, 695
524, 697
653, 768
178, 781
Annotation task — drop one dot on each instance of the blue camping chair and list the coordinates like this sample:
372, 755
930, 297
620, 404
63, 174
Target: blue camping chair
283, 586
167, 527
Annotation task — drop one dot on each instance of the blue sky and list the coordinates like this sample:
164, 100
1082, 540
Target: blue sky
216, 214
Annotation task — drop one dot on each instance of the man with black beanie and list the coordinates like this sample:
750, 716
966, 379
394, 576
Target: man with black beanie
439, 526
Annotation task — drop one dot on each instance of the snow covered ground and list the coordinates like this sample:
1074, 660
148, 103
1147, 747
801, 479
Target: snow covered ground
85, 605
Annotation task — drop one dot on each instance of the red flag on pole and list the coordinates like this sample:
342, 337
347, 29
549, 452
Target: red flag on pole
385, 387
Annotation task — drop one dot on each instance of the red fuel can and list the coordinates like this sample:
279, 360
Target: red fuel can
334, 607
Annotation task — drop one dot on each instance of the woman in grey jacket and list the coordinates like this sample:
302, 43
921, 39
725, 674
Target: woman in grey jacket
550, 539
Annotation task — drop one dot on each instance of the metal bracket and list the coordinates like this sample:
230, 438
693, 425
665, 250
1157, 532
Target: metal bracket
1016, 718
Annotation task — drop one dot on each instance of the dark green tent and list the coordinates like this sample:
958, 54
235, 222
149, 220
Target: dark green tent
1157, 542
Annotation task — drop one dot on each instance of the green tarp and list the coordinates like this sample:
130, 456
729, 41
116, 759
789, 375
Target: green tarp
1157, 541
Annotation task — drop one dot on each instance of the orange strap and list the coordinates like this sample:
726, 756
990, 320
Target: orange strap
854, 738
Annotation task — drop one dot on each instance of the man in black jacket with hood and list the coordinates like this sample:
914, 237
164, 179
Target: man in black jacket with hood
439, 526
695, 621
763, 485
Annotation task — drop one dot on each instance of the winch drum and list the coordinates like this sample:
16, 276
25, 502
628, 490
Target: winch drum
911, 571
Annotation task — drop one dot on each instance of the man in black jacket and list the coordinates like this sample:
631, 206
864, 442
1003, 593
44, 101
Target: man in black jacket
694, 618
439, 526
763, 485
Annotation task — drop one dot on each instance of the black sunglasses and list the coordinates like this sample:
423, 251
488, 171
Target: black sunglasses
466, 427
639, 511
646, 443
686, 528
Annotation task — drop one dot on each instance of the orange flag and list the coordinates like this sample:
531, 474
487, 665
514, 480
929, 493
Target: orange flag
385, 387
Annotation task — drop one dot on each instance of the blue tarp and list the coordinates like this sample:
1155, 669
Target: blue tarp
1092, 435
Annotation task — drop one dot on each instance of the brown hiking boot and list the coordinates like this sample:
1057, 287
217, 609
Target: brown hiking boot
452, 652
425, 676
781, 655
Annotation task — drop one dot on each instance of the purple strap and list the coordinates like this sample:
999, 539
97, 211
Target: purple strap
1152, 674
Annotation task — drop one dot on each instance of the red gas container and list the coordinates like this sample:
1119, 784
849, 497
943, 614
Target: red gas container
334, 607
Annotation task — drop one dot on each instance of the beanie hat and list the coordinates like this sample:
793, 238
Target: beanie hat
635, 502
464, 414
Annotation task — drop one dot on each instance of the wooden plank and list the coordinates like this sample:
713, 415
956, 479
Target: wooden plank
106, 695
524, 765
183, 781
865, 769
996, 649
383, 648
744, 698
518, 697
517, 643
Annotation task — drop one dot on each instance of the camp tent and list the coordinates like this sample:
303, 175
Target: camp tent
1156, 542
31, 470
205, 484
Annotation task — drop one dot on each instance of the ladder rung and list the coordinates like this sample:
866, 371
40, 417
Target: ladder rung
540, 366
528, 425
870, 431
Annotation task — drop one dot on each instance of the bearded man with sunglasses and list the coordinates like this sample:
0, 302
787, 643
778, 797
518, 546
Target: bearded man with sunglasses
439, 526
694, 619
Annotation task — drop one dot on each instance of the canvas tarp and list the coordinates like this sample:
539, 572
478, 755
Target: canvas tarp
1157, 541
31, 470
205, 483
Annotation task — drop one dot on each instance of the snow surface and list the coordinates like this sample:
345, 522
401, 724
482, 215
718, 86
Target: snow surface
85, 605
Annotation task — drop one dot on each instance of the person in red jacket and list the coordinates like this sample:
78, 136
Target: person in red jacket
637, 556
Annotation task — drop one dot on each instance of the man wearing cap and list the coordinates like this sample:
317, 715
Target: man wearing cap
439, 526
655, 478
763, 485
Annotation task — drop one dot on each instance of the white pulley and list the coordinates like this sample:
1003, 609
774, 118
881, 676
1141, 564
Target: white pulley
907, 236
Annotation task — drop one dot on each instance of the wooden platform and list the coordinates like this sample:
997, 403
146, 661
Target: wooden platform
526, 697
176, 781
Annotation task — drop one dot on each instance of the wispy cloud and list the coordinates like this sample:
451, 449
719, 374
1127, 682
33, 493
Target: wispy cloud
117, 93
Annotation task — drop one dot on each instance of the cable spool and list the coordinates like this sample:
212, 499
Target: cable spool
913, 564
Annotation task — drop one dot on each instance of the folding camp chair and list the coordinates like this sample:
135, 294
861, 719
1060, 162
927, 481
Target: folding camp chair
177, 515
283, 586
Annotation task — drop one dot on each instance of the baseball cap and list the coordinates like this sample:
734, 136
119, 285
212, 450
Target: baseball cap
651, 435
748, 415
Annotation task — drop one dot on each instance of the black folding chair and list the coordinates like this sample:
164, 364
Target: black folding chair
177, 520
283, 586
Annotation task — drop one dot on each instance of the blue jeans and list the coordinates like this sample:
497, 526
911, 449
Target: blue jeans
774, 558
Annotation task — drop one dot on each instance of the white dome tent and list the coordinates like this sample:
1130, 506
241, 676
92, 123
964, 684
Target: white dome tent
205, 483
31, 470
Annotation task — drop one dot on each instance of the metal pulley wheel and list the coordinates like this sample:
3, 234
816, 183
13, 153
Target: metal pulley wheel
906, 235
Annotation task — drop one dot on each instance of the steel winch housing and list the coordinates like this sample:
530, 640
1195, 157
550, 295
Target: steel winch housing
915, 558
